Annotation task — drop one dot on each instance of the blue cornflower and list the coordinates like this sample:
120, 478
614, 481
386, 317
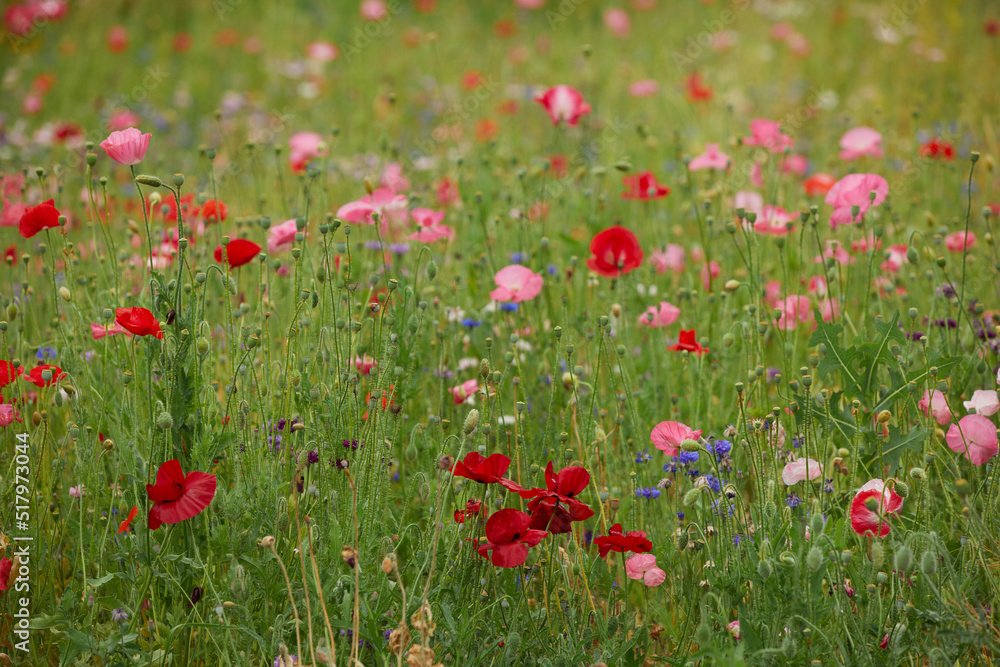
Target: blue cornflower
508, 307
648, 493
471, 323
518, 257
720, 448
644, 456
714, 482
687, 457
552, 269
46, 352
792, 500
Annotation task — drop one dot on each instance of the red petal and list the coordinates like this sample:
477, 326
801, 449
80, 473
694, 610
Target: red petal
509, 555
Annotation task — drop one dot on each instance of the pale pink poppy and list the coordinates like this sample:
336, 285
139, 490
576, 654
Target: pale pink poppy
429, 226
801, 469
794, 310
798, 44
860, 141
618, 22
895, 259
374, 10
392, 178
662, 316
667, 436
465, 392
7, 414
122, 120
795, 163
772, 293
975, 436
322, 52
767, 134
817, 286
829, 309
643, 88
959, 242
563, 103
757, 175
31, 104
734, 629
304, 147
670, 258
983, 402
643, 567
864, 520
834, 251
12, 213
934, 405
773, 221
98, 331
516, 283
749, 201
390, 206
127, 147
706, 280
781, 31
855, 190
712, 158
282, 236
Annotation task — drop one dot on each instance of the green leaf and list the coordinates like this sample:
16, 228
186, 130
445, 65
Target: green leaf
97, 583
892, 451
877, 353
836, 357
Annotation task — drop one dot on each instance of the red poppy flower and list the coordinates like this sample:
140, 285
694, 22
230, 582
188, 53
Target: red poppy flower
238, 252
138, 321
885, 501
619, 542
37, 218
177, 497
688, 342
5, 565
556, 518
209, 212
697, 91
509, 535
170, 205
35, 376
10, 254
123, 527
818, 185
643, 187
616, 251
471, 509
485, 470
8, 373
564, 486
937, 149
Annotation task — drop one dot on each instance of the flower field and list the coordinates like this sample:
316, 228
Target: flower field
523, 332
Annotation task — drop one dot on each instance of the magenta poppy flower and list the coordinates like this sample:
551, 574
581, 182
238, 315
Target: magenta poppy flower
667, 436
509, 535
708, 273
516, 283
855, 190
983, 402
712, 158
5, 566
795, 310
374, 10
795, 163
801, 469
465, 392
767, 134
643, 567
304, 147
975, 436
865, 520
176, 496
430, 227
618, 22
734, 629
933, 404
662, 316
282, 236
7, 415
773, 221
860, 141
127, 147
960, 241
563, 103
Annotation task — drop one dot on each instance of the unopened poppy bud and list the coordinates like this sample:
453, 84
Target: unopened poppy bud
962, 487
146, 179
165, 421
108, 444
616, 309
902, 489
928, 563
432, 270
389, 563
814, 559
878, 559
691, 497
732, 285
471, 421
918, 473
689, 445
764, 569
267, 542
349, 555
903, 558
445, 462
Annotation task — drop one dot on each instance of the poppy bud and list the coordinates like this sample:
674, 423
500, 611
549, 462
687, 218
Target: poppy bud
445, 462
267, 542
282, 523
65, 293
814, 559
878, 557
151, 181
691, 497
432, 270
471, 421
903, 558
165, 421
928, 563
389, 563
764, 569
108, 444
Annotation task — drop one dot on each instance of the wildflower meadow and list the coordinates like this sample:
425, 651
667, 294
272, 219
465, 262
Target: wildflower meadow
499, 332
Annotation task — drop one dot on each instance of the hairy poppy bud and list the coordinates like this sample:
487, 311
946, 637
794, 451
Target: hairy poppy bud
267, 542
814, 559
903, 558
165, 421
764, 569
151, 181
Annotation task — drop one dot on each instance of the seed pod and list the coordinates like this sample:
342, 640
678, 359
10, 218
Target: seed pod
682, 540
282, 523
878, 555
691, 497
237, 586
903, 558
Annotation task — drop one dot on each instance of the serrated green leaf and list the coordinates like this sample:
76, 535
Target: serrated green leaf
892, 451
836, 357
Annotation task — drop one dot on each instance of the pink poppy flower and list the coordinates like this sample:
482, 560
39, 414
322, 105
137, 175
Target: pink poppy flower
834, 251
794, 310
860, 141
749, 201
465, 392
98, 331
663, 316
281, 237
817, 286
127, 147
706, 279
667, 436
734, 629
643, 567
618, 22
392, 178
516, 283
563, 103
322, 52
643, 88
671, 258
855, 190
122, 120
365, 364
864, 520
773, 221
983, 402
959, 242
757, 175
430, 227
31, 104
530, 4
975, 436
796, 471
390, 206
374, 10
304, 147
795, 163
7, 415
712, 158
895, 259
934, 405
767, 134
12, 213
829, 309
